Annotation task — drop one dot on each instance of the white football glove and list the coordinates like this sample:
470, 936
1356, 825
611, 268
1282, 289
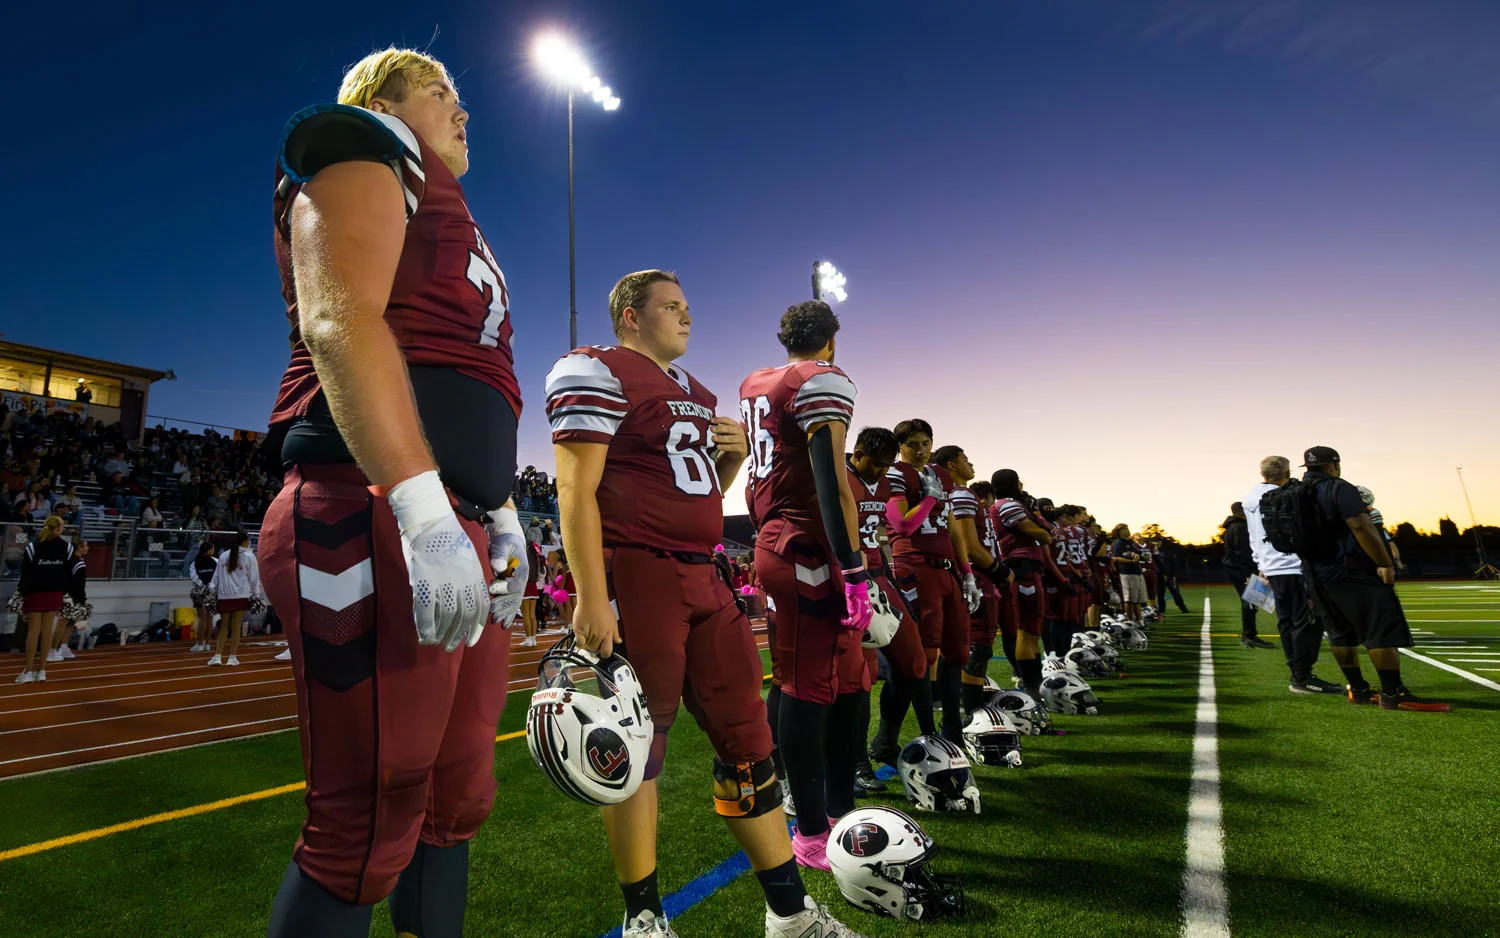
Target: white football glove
931, 487
447, 579
507, 543
972, 595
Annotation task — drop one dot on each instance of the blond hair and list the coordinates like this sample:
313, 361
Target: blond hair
51, 528
1275, 468
390, 73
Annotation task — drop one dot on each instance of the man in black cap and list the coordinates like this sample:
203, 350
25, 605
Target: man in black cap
1352, 580
1239, 566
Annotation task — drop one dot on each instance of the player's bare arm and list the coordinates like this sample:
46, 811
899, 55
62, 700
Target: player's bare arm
348, 225
580, 466
1034, 531
1373, 545
731, 449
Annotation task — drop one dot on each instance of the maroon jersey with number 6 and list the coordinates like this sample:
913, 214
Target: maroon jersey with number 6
449, 306
779, 406
660, 488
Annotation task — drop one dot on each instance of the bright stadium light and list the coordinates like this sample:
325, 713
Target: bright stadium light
829, 281
561, 61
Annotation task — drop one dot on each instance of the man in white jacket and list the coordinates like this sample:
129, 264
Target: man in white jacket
1301, 632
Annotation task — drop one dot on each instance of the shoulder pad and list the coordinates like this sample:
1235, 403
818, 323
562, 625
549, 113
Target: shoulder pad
319, 136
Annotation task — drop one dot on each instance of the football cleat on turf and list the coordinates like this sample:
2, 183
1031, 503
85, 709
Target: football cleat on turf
812, 922
990, 739
866, 782
936, 777
592, 743
882, 861
811, 851
1404, 699
1066, 692
647, 925
1369, 695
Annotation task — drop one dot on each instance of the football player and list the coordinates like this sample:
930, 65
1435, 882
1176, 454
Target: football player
875, 451
809, 562
963, 687
1008, 624
396, 422
1023, 547
642, 463
926, 559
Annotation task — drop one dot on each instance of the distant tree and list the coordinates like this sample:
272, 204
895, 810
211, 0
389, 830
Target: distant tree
1153, 532
1448, 531
1407, 537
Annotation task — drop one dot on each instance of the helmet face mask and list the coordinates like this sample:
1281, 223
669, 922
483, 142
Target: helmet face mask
1022, 707
881, 860
936, 777
991, 739
1068, 693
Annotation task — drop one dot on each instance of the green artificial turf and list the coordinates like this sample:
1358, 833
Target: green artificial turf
1339, 821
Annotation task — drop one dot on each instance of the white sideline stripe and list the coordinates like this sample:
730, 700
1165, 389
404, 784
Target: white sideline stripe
207, 674
87, 665
147, 713
1470, 659
165, 693
141, 755
65, 670
1205, 898
139, 742
1484, 681
262, 662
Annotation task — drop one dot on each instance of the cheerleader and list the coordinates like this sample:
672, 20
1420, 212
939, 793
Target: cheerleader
46, 567
236, 586
529, 599
202, 594
76, 608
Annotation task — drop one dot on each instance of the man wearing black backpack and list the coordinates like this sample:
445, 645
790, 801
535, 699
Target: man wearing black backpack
1352, 580
1239, 566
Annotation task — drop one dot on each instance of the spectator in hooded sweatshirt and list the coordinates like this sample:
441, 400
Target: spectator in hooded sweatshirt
1239, 566
1301, 631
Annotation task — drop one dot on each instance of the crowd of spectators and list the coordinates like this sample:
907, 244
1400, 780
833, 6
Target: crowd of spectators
169, 479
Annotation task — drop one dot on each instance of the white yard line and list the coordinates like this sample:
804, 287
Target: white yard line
1469, 675
147, 713
165, 693
1205, 898
141, 742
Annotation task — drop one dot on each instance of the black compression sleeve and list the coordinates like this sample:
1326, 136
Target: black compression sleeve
825, 466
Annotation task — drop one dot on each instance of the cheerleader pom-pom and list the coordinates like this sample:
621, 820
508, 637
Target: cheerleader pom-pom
14, 604
747, 591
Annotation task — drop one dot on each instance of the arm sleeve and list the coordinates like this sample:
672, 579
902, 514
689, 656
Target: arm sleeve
907, 524
28, 569
825, 466
78, 588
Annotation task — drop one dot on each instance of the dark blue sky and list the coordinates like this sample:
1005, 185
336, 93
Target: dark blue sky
1037, 204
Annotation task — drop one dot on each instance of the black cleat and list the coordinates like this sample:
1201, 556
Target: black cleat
886, 754
866, 782
1254, 642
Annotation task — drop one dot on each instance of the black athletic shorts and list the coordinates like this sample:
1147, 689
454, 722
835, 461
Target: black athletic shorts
1358, 609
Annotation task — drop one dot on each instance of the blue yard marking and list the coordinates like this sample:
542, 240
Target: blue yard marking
885, 773
699, 889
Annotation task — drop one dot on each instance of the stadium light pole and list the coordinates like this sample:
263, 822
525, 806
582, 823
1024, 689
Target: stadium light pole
561, 61
1485, 571
827, 280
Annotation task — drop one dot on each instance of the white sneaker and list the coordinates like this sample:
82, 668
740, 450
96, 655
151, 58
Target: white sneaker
215, 661
233, 661
25, 677
528, 642
197, 646
54, 655
66, 653
647, 925
41, 674
285, 655
813, 920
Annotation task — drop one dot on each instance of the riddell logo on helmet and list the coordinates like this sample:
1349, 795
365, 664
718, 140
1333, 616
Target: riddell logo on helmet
863, 840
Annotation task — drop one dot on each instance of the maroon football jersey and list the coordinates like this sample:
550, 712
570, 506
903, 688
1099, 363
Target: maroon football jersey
1014, 545
988, 535
870, 500
659, 488
931, 539
449, 306
779, 406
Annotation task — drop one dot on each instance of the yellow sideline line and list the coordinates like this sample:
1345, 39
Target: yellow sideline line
43, 846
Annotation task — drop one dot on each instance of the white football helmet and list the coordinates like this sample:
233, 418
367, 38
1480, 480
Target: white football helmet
991, 739
881, 860
936, 776
1126, 636
592, 745
1025, 709
1110, 655
1086, 663
1066, 692
1053, 664
884, 622
1097, 637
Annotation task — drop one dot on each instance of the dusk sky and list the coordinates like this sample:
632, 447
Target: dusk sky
1127, 249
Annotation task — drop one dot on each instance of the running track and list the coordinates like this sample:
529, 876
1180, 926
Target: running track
122, 701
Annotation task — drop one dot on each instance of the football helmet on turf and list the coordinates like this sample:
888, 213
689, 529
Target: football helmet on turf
593, 745
991, 739
936, 775
1086, 663
1025, 709
882, 862
1066, 692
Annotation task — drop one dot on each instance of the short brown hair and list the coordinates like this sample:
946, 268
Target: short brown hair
631, 291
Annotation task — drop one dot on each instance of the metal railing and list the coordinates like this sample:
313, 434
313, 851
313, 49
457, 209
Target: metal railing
134, 552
